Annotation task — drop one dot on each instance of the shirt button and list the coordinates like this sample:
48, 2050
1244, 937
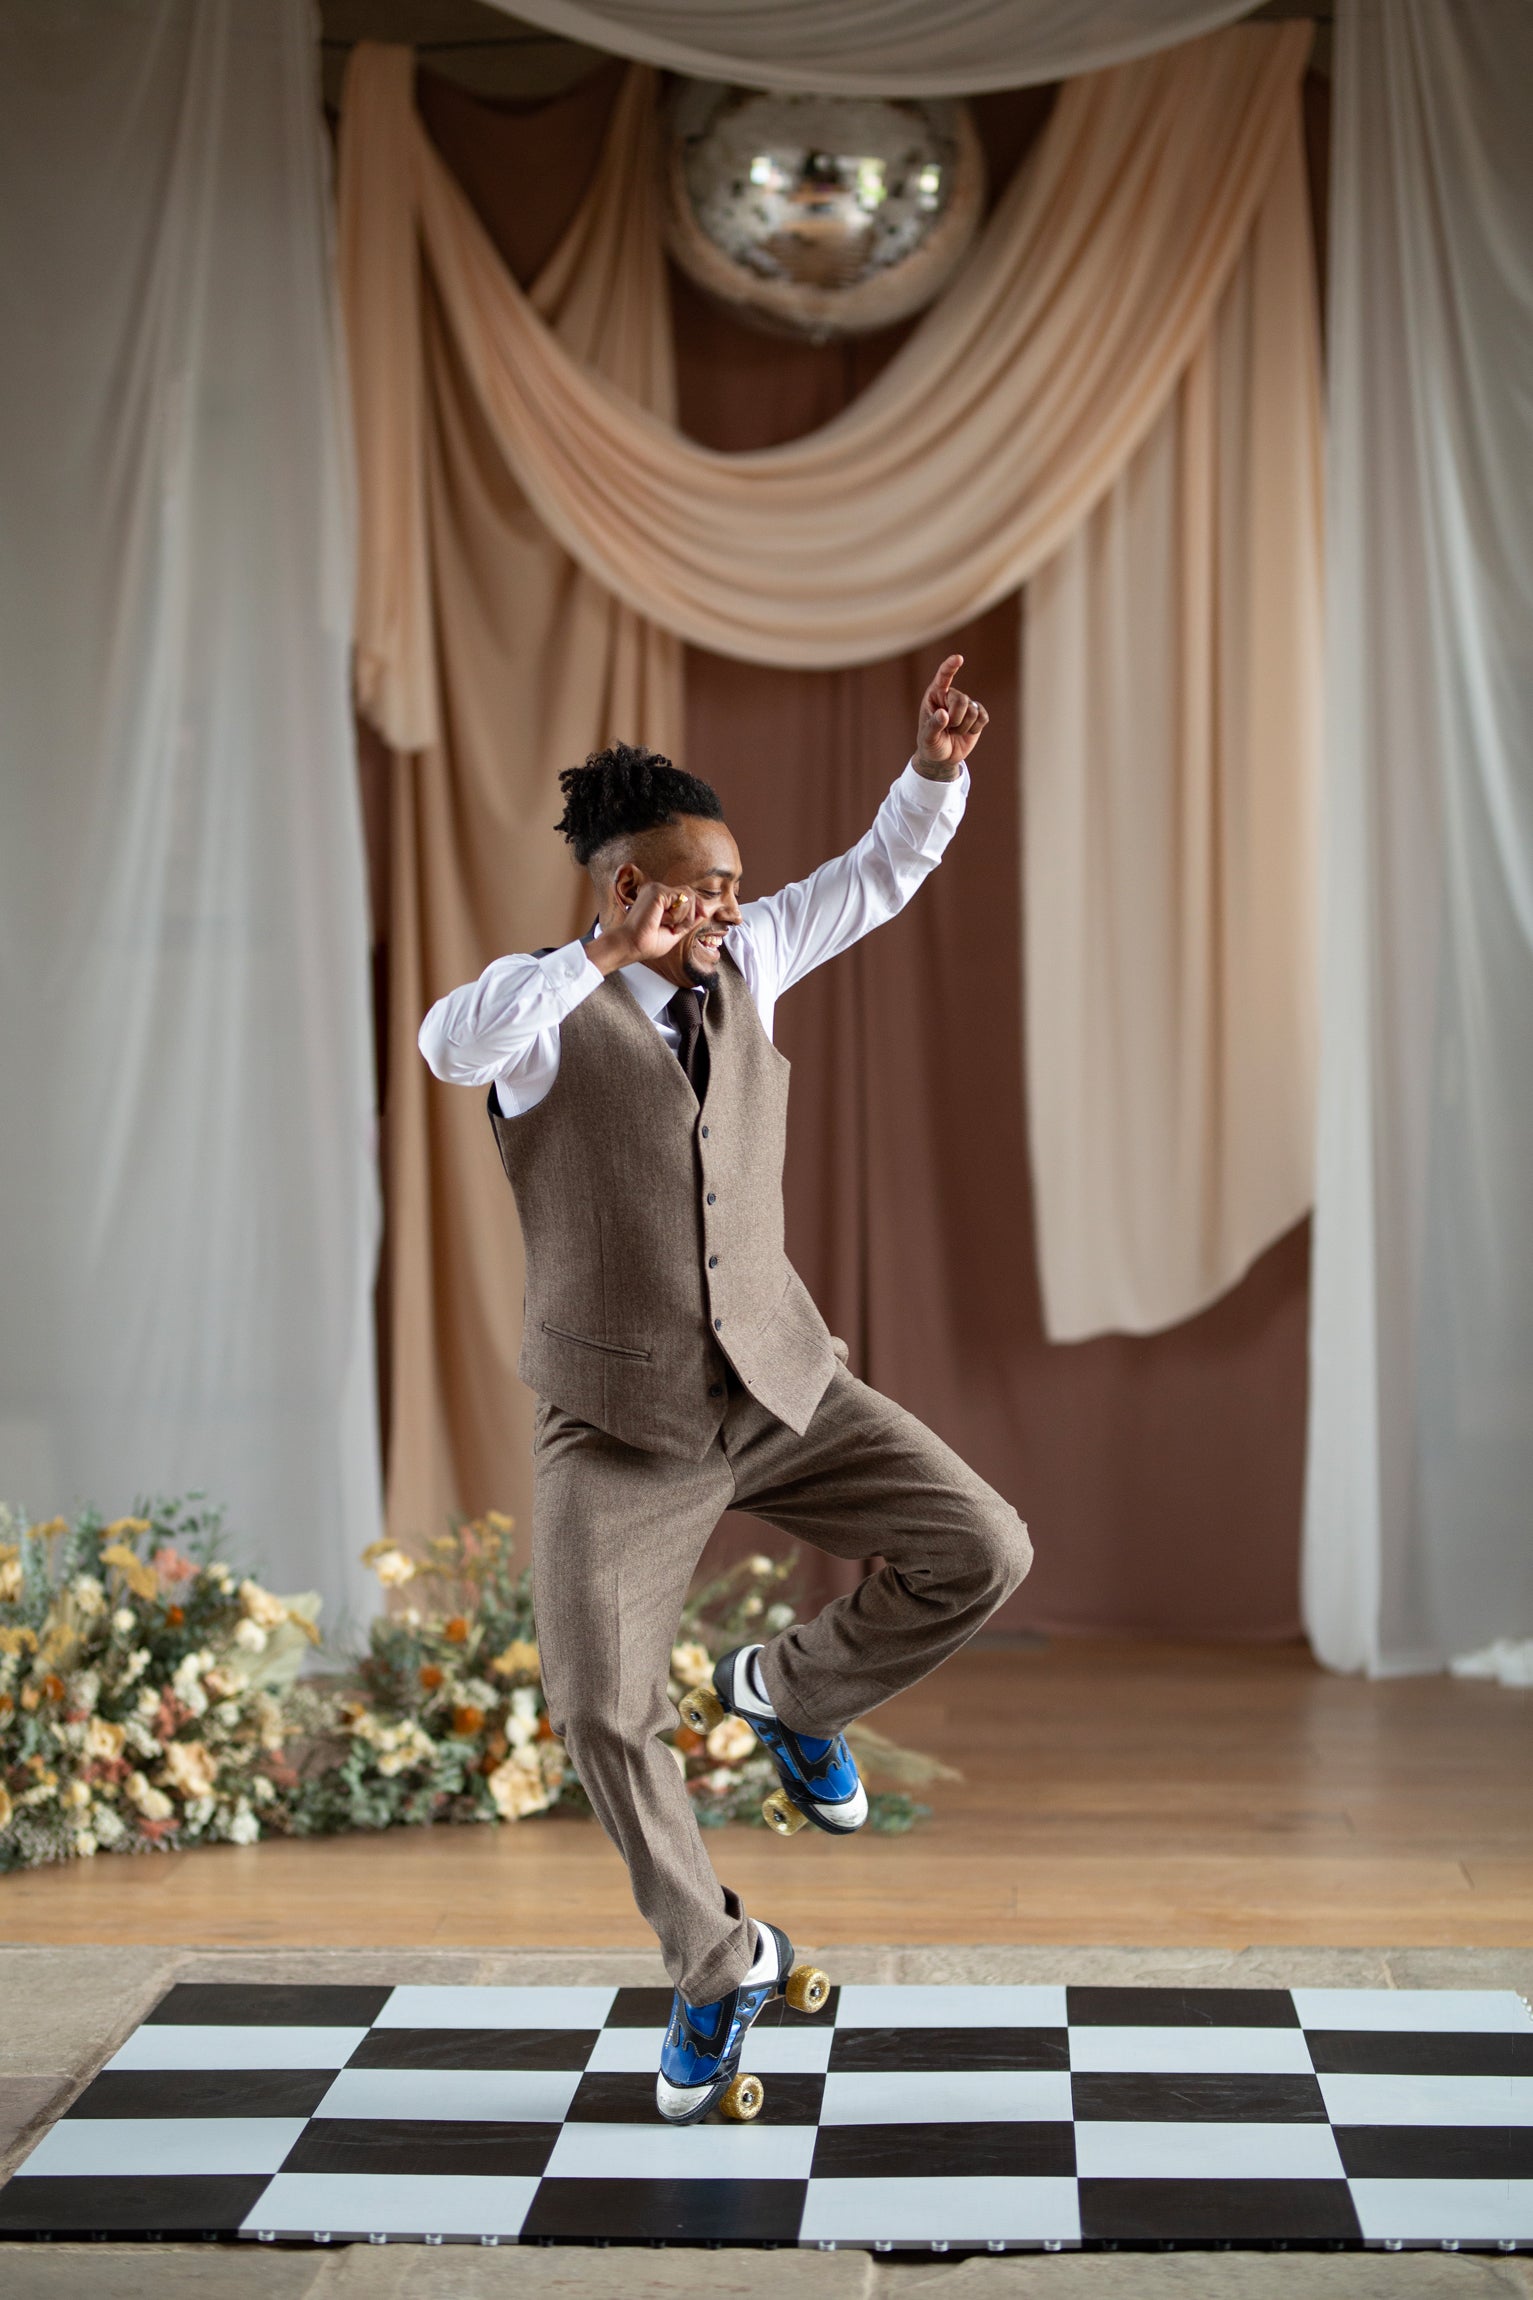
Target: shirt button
705, 1133
715, 1389
713, 1261
712, 1196
718, 1325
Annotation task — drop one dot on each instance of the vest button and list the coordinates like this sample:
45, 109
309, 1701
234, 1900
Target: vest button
705, 1133
712, 1197
718, 1325
715, 1389
713, 1261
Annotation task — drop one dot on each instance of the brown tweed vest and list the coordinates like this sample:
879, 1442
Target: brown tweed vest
654, 1230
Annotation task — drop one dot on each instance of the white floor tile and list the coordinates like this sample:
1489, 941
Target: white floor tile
682, 2152
921, 2211
473, 2095
1440, 2010
391, 2204
1206, 2152
1190, 2051
98, 2148
769, 2051
1428, 2099
934, 2096
178, 2046
440, 2007
1441, 2211
867, 2004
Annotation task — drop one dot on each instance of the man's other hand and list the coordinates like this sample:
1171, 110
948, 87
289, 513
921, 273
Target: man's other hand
950, 725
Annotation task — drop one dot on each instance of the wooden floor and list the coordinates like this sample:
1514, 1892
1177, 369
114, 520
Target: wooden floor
1132, 1794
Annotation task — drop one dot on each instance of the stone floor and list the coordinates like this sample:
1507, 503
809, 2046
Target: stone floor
63, 2011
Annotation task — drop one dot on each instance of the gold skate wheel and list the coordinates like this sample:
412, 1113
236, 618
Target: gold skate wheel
807, 1989
743, 2100
701, 1709
780, 1813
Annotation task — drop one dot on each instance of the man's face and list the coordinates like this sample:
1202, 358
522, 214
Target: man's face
697, 857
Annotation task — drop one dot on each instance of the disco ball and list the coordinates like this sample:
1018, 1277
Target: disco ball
820, 215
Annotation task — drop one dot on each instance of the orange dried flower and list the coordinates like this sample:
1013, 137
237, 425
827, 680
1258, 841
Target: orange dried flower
175, 1615
53, 1687
687, 1741
456, 1630
467, 1721
431, 1677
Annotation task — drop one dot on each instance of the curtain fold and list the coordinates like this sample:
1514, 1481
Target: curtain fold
880, 47
536, 665
1170, 750
998, 428
189, 1219
1421, 1420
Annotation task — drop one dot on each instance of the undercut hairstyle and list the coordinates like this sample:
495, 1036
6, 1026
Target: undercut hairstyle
623, 791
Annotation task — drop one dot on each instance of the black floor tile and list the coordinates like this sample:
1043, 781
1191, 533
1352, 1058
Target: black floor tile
421, 2145
667, 2211
1436, 2152
474, 2048
950, 2049
641, 2008
1217, 2099
266, 2004
1391, 2052
628, 2097
1228, 2211
1180, 2008
168, 2204
144, 2092
944, 2151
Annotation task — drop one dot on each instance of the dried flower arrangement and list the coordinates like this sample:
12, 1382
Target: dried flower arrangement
151, 1696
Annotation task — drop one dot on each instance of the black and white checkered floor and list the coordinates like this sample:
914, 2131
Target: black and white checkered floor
948, 2117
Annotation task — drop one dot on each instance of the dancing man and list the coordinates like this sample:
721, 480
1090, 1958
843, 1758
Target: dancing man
680, 1365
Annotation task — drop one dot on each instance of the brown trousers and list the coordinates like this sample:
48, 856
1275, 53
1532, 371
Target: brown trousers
617, 1534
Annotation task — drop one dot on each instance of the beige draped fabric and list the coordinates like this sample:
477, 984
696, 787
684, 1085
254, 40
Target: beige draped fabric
1121, 363
1171, 740
987, 440
536, 665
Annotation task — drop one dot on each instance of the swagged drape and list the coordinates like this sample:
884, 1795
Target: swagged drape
1421, 1426
880, 47
188, 1224
1127, 359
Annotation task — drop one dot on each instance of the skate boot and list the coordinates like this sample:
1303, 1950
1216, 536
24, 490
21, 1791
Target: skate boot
817, 1779
700, 2058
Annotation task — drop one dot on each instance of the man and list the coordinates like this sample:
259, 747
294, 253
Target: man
681, 1367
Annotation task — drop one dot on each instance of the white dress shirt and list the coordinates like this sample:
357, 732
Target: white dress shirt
505, 1026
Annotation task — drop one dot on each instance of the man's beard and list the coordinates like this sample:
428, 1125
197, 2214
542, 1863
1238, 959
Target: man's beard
700, 977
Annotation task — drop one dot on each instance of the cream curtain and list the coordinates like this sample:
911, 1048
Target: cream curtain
880, 47
1129, 355
1171, 714
1417, 1531
1002, 423
536, 665
189, 1218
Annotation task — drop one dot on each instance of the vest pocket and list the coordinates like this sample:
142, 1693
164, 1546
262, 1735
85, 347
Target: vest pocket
585, 1341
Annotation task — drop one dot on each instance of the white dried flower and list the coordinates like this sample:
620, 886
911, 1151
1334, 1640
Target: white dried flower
731, 1741
260, 1606
244, 1829
122, 1621
89, 1595
151, 1802
251, 1636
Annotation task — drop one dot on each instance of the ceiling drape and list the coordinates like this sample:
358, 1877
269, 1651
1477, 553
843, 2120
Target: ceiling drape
880, 47
1417, 1540
1135, 319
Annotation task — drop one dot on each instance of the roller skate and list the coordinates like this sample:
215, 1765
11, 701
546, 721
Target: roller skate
700, 2058
817, 1779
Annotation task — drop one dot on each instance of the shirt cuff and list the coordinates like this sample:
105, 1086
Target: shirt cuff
570, 976
931, 796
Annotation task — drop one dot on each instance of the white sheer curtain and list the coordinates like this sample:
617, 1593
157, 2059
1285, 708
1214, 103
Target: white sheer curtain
1419, 1527
881, 47
188, 1215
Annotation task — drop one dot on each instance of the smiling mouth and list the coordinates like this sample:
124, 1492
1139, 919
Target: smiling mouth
709, 939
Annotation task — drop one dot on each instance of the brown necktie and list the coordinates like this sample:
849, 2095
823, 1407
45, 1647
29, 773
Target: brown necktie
686, 1011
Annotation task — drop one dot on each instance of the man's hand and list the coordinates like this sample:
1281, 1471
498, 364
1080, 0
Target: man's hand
950, 725
657, 918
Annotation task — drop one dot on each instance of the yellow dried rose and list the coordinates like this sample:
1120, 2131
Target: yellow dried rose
691, 1664
520, 1659
518, 1788
6, 1808
266, 1611
10, 1574
190, 1768
140, 1578
104, 1739
151, 1802
731, 1741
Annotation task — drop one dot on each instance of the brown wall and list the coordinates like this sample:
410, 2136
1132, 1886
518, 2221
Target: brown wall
1161, 1477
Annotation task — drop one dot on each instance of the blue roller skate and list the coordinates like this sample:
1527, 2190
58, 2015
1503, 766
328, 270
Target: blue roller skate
700, 2058
817, 1779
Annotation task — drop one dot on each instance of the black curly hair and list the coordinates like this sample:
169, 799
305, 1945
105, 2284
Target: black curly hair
622, 791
